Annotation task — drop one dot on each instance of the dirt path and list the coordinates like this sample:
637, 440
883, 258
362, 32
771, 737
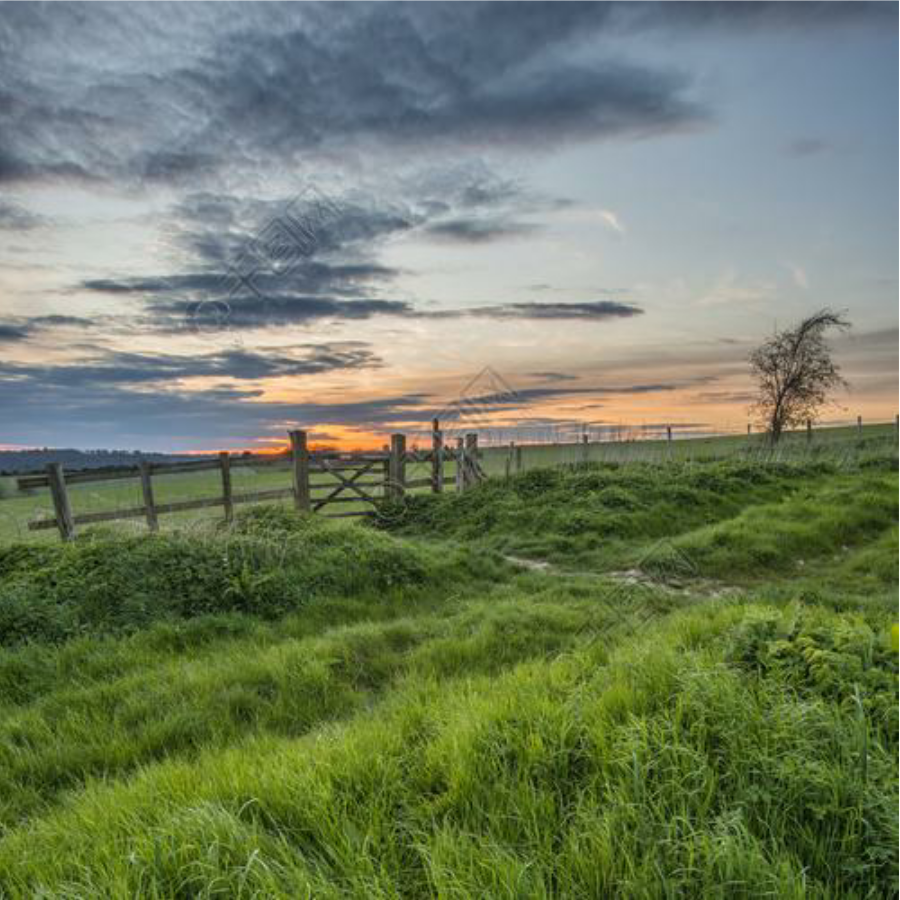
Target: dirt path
706, 586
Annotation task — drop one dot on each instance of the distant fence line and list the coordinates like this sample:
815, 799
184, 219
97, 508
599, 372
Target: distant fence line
573, 432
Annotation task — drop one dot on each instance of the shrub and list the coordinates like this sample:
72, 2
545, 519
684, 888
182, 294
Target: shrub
268, 563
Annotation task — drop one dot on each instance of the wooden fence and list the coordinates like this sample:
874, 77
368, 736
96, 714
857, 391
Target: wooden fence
318, 480
358, 478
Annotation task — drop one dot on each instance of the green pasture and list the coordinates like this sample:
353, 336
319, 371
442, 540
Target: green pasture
606, 680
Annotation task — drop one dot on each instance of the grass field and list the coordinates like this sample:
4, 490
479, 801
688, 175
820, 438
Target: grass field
610, 680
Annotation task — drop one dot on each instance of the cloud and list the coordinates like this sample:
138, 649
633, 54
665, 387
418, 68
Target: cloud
301, 258
553, 376
798, 275
229, 279
218, 229
251, 86
155, 94
309, 278
15, 217
591, 310
730, 291
107, 368
162, 416
746, 18
480, 231
23, 328
152, 92
807, 146
248, 312
729, 397
11, 334
612, 220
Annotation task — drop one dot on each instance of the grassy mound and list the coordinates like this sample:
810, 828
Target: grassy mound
813, 524
731, 519
270, 562
562, 511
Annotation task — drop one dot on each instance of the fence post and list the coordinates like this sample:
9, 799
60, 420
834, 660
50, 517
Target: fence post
585, 449
147, 491
509, 459
748, 429
518, 459
64, 519
669, 433
437, 457
471, 476
227, 502
859, 426
808, 431
397, 469
300, 469
460, 466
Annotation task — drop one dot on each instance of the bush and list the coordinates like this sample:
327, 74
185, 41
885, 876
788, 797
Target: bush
815, 652
268, 563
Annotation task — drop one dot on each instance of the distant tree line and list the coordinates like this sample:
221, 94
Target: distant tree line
17, 462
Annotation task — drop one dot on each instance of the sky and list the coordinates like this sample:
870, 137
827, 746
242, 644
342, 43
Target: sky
220, 222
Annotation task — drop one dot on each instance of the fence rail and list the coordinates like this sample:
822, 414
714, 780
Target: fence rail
367, 478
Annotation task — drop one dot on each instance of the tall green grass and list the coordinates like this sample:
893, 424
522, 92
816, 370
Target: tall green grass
732, 519
675, 766
139, 703
550, 508
827, 518
294, 708
272, 561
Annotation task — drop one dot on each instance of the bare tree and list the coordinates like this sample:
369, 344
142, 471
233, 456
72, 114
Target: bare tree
795, 373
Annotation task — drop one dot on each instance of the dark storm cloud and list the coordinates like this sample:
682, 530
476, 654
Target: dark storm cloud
309, 278
244, 85
249, 312
118, 368
232, 283
158, 93
230, 279
237, 282
218, 229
